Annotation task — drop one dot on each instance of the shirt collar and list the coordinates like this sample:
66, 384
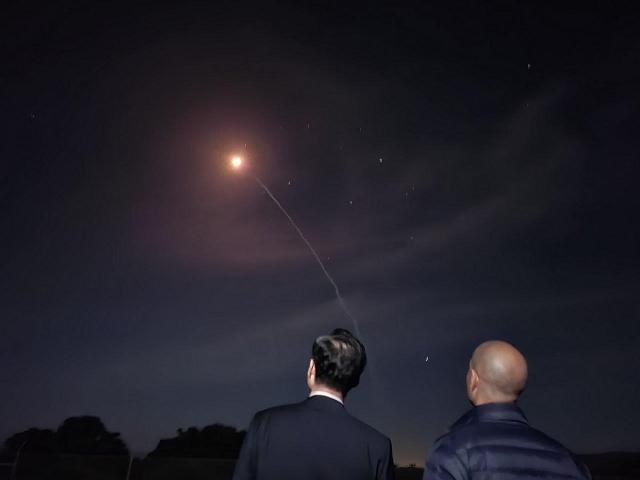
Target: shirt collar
326, 394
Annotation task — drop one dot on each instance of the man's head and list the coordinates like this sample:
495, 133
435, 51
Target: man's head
497, 373
337, 361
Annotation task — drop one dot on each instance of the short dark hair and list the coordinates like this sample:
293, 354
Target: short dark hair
339, 359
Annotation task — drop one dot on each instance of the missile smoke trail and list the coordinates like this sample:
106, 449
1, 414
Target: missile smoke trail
340, 300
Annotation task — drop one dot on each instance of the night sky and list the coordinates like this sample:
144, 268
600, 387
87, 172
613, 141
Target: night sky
465, 173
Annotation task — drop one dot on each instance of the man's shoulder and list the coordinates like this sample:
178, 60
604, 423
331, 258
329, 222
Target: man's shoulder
303, 410
492, 432
472, 431
278, 410
291, 410
368, 429
479, 432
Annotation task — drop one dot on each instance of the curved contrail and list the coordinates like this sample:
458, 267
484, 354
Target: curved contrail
340, 300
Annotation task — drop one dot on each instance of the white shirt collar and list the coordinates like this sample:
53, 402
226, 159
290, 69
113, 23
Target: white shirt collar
326, 394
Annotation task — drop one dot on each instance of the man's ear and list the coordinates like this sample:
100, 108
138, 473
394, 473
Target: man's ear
473, 380
311, 372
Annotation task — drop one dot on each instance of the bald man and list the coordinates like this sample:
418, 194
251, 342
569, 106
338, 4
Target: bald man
493, 440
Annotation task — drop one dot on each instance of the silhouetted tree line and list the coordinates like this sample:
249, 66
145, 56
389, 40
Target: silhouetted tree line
87, 435
84, 435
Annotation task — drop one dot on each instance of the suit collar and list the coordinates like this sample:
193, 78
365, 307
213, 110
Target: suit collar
326, 394
325, 404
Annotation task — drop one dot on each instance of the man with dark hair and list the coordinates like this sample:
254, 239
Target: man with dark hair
317, 439
494, 440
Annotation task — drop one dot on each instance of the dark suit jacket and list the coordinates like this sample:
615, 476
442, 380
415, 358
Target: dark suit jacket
315, 439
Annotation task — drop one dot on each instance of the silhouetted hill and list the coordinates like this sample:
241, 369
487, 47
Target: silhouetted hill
213, 441
614, 464
409, 473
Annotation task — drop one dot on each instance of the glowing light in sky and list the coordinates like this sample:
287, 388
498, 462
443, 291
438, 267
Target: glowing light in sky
236, 162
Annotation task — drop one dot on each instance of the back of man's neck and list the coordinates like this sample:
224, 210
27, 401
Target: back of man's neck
494, 400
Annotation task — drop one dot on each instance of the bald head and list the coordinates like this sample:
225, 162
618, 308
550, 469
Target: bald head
497, 373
